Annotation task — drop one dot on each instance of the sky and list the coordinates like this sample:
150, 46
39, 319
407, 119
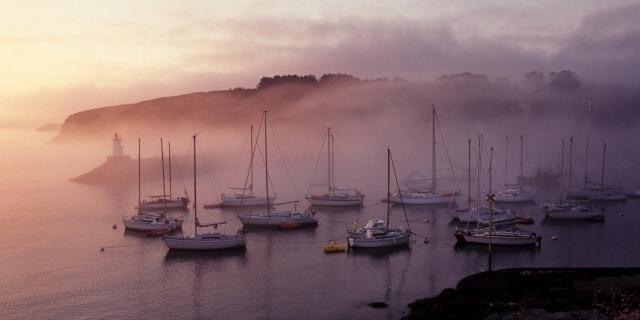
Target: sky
59, 57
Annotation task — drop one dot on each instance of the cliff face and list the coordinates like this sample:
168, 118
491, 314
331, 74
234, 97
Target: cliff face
288, 100
343, 99
211, 108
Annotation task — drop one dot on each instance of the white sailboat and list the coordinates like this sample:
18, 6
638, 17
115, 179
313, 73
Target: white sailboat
591, 190
606, 192
507, 237
204, 241
513, 193
387, 237
418, 193
502, 237
377, 226
570, 209
244, 196
146, 221
166, 201
337, 197
268, 218
479, 214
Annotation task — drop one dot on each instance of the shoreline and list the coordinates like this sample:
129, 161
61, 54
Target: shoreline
537, 293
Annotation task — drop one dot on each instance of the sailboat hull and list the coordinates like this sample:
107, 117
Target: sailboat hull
180, 203
380, 241
514, 199
498, 239
421, 199
330, 201
214, 241
575, 214
608, 196
244, 201
278, 219
151, 224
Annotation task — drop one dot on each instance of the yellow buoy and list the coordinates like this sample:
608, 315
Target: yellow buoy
334, 247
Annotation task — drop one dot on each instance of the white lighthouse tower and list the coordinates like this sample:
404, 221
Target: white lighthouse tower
118, 149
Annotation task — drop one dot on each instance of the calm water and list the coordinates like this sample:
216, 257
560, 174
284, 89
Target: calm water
52, 266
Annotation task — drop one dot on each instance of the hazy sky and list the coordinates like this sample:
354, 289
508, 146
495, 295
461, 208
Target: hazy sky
58, 57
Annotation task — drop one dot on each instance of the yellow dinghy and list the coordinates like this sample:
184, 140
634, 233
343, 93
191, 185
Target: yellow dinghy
334, 247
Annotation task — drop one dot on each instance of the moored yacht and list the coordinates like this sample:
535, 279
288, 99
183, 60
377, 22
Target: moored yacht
268, 218
513, 193
244, 196
378, 237
165, 201
204, 241
147, 221
420, 189
502, 237
371, 227
491, 235
337, 197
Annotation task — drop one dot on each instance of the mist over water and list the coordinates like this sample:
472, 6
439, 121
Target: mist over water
54, 228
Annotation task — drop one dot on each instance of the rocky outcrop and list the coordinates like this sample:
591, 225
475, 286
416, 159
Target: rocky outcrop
545, 293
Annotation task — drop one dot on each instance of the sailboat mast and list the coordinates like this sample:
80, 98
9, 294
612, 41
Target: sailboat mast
170, 189
506, 157
434, 179
469, 172
195, 188
490, 167
329, 168
586, 155
521, 161
570, 163
164, 189
139, 179
479, 173
562, 171
604, 152
266, 163
388, 184
333, 165
251, 160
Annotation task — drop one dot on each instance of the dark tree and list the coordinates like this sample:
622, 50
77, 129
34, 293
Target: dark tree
338, 78
564, 80
534, 77
266, 82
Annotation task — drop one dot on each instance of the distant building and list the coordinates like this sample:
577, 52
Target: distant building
118, 148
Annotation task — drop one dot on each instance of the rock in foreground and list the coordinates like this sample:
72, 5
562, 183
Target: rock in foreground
545, 293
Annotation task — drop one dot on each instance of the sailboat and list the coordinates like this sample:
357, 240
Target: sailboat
606, 192
376, 226
513, 193
204, 241
166, 201
387, 237
419, 192
570, 209
244, 196
334, 196
478, 214
147, 221
268, 218
507, 237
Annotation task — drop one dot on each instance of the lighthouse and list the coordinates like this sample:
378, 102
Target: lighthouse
118, 149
